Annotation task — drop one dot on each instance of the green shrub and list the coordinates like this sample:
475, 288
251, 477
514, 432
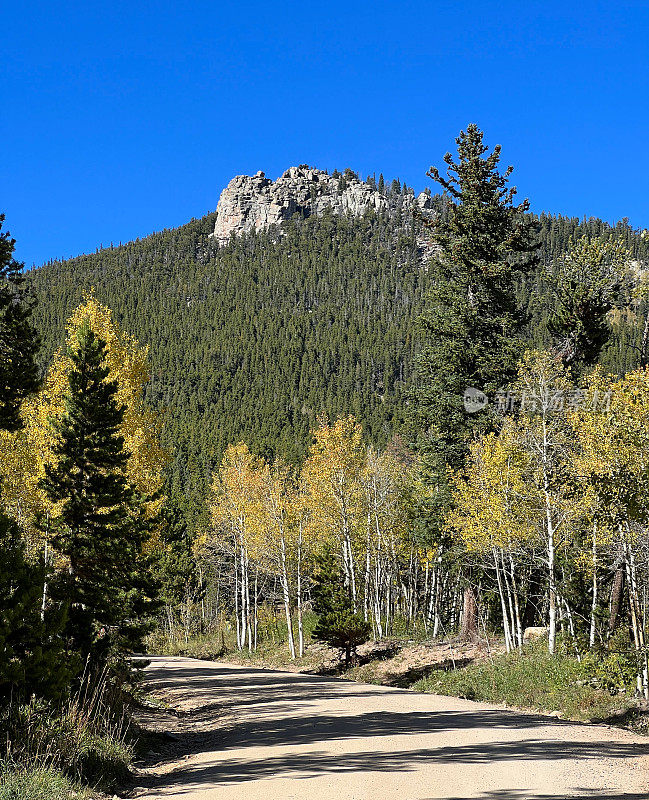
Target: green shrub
533, 679
615, 667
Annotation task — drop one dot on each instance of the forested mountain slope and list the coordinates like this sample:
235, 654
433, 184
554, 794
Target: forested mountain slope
254, 339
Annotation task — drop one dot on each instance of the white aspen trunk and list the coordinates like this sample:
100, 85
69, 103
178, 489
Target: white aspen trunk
248, 614
510, 601
352, 571
634, 621
550, 533
593, 605
456, 615
255, 618
517, 608
503, 604
366, 593
242, 589
412, 593
237, 610
431, 595
346, 567
388, 606
44, 598
287, 597
376, 598
405, 600
300, 627
245, 615
637, 623
379, 574
348, 553
436, 615
424, 614
552, 596
645, 661
378, 619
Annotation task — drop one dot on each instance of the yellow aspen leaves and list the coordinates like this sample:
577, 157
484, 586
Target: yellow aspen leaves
23, 455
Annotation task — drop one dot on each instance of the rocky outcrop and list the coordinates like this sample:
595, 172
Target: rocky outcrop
252, 203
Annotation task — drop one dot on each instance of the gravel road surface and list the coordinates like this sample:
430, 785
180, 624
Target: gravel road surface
243, 733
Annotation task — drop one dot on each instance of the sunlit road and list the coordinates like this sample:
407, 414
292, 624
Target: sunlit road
252, 733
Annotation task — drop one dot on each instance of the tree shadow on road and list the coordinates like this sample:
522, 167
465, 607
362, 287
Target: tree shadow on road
268, 709
314, 763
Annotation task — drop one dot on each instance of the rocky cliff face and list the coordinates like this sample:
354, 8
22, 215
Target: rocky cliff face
252, 203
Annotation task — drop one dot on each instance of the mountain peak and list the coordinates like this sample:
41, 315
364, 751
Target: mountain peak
254, 202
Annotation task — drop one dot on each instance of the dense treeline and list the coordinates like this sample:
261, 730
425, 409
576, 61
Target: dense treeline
253, 340
259, 337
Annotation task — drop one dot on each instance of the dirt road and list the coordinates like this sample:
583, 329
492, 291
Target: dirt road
259, 734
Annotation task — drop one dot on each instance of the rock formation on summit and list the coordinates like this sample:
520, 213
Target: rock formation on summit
252, 203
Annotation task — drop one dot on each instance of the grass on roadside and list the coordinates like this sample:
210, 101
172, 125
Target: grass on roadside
55, 748
272, 643
272, 655
532, 680
38, 783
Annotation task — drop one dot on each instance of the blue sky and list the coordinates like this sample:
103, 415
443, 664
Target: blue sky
118, 119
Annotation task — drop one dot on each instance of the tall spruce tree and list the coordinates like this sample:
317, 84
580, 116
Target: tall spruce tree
18, 341
31, 648
472, 321
102, 525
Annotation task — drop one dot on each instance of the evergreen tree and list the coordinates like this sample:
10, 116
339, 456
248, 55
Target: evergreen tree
102, 527
31, 649
338, 625
32, 658
472, 320
18, 340
587, 283
175, 568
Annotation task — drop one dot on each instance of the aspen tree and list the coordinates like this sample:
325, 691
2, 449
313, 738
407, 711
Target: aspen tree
614, 452
235, 508
493, 513
276, 533
543, 432
332, 480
